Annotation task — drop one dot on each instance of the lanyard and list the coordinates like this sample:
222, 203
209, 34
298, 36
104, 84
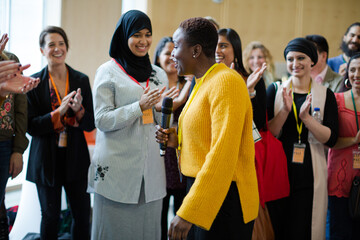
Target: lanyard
186, 107
357, 121
66, 88
298, 127
147, 82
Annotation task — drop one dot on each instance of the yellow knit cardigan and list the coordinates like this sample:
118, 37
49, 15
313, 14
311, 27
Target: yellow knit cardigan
218, 148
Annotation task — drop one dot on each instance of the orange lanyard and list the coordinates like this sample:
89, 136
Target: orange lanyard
54, 86
147, 82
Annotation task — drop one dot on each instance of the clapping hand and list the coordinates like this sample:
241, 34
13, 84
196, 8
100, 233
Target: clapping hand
11, 80
150, 98
65, 103
287, 99
76, 101
3, 40
8, 70
305, 108
254, 77
342, 69
171, 93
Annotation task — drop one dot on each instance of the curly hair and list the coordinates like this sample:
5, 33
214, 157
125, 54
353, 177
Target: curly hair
268, 57
201, 31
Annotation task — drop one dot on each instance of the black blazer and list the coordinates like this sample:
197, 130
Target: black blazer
42, 157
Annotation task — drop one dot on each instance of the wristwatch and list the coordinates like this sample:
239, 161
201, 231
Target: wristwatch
252, 94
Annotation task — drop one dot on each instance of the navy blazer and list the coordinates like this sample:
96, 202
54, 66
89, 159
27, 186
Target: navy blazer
43, 148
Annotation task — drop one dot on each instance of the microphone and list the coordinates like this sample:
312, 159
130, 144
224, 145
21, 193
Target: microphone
166, 110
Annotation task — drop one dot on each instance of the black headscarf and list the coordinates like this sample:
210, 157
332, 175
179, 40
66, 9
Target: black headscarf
130, 23
302, 45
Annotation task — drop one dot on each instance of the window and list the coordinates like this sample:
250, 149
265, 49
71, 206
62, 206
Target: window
23, 20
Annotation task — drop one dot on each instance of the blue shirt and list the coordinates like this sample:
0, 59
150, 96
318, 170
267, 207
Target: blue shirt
335, 62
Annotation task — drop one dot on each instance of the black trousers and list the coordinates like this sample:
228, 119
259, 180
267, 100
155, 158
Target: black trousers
50, 203
178, 195
291, 216
228, 224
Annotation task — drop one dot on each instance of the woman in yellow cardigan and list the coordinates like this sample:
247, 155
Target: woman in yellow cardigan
215, 142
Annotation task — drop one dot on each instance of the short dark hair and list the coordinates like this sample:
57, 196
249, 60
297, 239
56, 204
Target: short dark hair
352, 25
201, 31
160, 46
234, 38
320, 43
53, 29
213, 21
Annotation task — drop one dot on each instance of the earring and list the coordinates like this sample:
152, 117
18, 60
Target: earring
194, 55
347, 83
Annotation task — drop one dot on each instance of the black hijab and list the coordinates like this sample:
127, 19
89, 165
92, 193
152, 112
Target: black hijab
130, 23
302, 45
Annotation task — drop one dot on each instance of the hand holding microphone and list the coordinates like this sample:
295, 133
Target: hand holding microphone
166, 110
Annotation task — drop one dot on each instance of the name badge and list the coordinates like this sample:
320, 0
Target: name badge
63, 139
356, 159
298, 153
255, 132
148, 116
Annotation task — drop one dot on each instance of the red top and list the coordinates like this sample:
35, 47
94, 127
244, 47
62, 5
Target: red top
340, 161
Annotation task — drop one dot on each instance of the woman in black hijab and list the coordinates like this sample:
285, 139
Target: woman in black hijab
127, 173
302, 215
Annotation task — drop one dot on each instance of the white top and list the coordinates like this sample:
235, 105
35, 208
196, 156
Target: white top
126, 150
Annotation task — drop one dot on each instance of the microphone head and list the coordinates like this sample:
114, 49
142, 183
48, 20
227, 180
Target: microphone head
167, 105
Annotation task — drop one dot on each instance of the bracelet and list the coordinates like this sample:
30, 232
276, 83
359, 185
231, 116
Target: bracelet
253, 94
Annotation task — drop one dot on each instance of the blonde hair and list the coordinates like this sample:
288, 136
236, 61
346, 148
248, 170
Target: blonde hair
268, 58
4, 56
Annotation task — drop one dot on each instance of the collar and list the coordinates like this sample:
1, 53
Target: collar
322, 75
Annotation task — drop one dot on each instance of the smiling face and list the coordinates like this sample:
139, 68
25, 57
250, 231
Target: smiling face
352, 38
298, 64
224, 51
165, 60
54, 49
256, 59
139, 43
182, 54
354, 73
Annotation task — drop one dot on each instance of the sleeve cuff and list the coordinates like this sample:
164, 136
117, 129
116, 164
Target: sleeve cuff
80, 113
56, 120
